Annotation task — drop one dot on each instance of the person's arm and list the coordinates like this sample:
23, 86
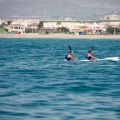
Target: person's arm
74, 59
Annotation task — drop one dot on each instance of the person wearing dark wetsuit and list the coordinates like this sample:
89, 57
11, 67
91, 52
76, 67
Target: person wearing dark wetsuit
69, 57
89, 56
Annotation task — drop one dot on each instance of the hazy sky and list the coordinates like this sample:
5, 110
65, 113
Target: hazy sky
83, 9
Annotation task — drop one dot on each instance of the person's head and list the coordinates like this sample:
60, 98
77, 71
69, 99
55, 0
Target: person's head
69, 52
89, 52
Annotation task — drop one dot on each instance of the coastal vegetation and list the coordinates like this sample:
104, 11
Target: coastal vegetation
113, 30
63, 30
2, 29
29, 31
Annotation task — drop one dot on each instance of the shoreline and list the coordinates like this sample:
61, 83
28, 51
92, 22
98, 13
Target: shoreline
60, 35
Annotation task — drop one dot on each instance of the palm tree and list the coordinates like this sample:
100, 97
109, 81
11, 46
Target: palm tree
9, 22
40, 25
58, 23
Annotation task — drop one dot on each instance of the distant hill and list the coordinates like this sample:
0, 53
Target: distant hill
83, 9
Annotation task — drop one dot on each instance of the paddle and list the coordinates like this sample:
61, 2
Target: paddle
92, 47
71, 50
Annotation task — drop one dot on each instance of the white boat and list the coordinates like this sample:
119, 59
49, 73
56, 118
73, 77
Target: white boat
107, 58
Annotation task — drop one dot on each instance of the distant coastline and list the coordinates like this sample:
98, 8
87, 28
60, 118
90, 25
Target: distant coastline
60, 35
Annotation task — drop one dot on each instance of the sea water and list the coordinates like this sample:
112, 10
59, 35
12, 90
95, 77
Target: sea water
36, 83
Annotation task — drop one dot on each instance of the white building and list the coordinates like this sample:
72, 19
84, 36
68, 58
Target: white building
111, 17
97, 27
54, 24
16, 28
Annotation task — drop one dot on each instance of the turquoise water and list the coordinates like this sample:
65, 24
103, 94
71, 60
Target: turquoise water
37, 84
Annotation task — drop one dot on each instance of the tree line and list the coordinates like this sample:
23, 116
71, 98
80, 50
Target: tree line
113, 30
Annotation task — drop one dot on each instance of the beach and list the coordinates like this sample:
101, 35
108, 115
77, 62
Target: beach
60, 35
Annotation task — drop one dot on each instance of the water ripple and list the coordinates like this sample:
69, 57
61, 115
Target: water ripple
36, 83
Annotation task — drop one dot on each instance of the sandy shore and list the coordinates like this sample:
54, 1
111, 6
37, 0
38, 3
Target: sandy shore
60, 35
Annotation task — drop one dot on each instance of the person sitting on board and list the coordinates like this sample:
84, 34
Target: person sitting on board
69, 57
89, 56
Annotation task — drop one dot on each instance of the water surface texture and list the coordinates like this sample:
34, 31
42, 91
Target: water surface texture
37, 84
